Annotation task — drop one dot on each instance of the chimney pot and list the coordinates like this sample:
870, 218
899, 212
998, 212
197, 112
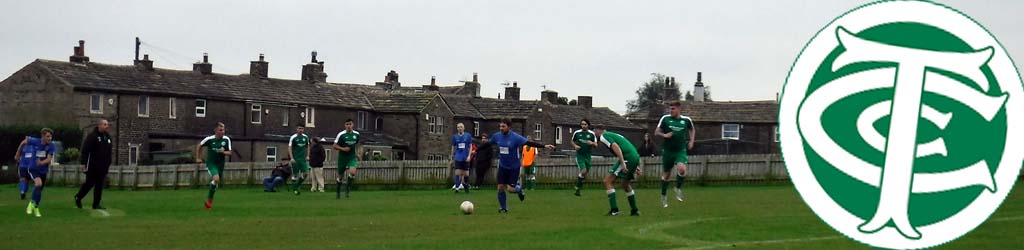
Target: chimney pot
145, 63
204, 67
145, 57
433, 80
259, 68
206, 58
698, 76
79, 53
475, 79
314, 57
261, 57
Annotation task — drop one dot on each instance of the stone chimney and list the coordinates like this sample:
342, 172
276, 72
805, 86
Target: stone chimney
79, 55
145, 63
512, 93
585, 101
259, 68
204, 67
314, 70
698, 89
475, 78
549, 96
670, 90
433, 84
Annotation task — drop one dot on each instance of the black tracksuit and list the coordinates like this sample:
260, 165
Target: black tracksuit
483, 160
96, 151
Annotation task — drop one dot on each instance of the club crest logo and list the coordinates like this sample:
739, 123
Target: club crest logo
900, 124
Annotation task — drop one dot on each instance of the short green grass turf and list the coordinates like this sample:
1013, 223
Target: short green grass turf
747, 217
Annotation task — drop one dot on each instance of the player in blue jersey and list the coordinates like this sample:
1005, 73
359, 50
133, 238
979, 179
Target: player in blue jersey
36, 154
462, 143
509, 145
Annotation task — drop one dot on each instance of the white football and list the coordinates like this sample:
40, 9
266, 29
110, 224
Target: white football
467, 207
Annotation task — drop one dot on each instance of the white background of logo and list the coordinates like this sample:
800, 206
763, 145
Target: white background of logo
792, 143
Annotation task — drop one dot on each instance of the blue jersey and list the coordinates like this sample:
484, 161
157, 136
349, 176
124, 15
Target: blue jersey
462, 143
509, 146
34, 151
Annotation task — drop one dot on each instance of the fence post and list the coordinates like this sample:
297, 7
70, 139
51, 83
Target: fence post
120, 176
195, 176
156, 177
707, 168
248, 179
135, 185
768, 165
176, 168
401, 174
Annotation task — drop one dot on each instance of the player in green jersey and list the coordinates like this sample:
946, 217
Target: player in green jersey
218, 148
678, 132
345, 143
625, 169
298, 146
583, 141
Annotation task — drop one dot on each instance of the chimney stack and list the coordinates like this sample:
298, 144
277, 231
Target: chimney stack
79, 55
585, 101
204, 67
549, 96
512, 93
259, 68
433, 84
698, 89
475, 78
314, 70
145, 63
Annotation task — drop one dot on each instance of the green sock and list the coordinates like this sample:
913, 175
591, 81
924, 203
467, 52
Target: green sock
611, 199
579, 183
213, 189
351, 183
679, 181
664, 187
632, 200
298, 183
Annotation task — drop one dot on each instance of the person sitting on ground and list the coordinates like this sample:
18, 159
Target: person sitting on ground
277, 176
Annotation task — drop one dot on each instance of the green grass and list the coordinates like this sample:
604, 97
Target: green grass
749, 217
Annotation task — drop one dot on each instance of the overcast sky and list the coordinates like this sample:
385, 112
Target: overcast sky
601, 48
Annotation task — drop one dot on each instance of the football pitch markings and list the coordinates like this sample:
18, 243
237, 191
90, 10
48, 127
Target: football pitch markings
657, 232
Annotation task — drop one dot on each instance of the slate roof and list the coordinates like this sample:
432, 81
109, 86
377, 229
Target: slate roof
742, 111
130, 79
492, 108
571, 115
462, 106
400, 102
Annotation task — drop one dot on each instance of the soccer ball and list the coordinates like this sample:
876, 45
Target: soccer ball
467, 207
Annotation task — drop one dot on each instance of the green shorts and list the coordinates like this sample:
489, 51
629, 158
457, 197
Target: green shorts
632, 162
346, 162
670, 158
300, 166
528, 170
583, 162
214, 169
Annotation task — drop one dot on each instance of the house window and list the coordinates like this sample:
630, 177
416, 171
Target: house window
172, 108
441, 129
271, 153
537, 132
377, 153
398, 155
434, 123
379, 125
476, 128
310, 116
558, 135
776, 133
133, 154
255, 113
96, 104
143, 106
361, 120
284, 117
200, 108
327, 154
731, 131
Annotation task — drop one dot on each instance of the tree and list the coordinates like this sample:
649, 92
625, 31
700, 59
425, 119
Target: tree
650, 93
562, 101
574, 102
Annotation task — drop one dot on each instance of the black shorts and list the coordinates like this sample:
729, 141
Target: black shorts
508, 176
462, 165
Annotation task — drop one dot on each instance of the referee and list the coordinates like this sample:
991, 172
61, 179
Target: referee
96, 151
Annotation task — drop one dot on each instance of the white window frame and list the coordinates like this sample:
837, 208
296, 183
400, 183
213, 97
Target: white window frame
285, 115
258, 117
776, 133
98, 100
201, 111
361, 120
310, 117
172, 108
378, 124
558, 135
476, 128
441, 129
135, 156
538, 131
143, 114
272, 158
327, 154
432, 123
737, 131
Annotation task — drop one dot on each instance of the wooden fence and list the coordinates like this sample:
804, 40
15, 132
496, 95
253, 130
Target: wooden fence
560, 172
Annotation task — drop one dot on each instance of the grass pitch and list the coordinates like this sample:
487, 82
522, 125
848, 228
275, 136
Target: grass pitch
748, 217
